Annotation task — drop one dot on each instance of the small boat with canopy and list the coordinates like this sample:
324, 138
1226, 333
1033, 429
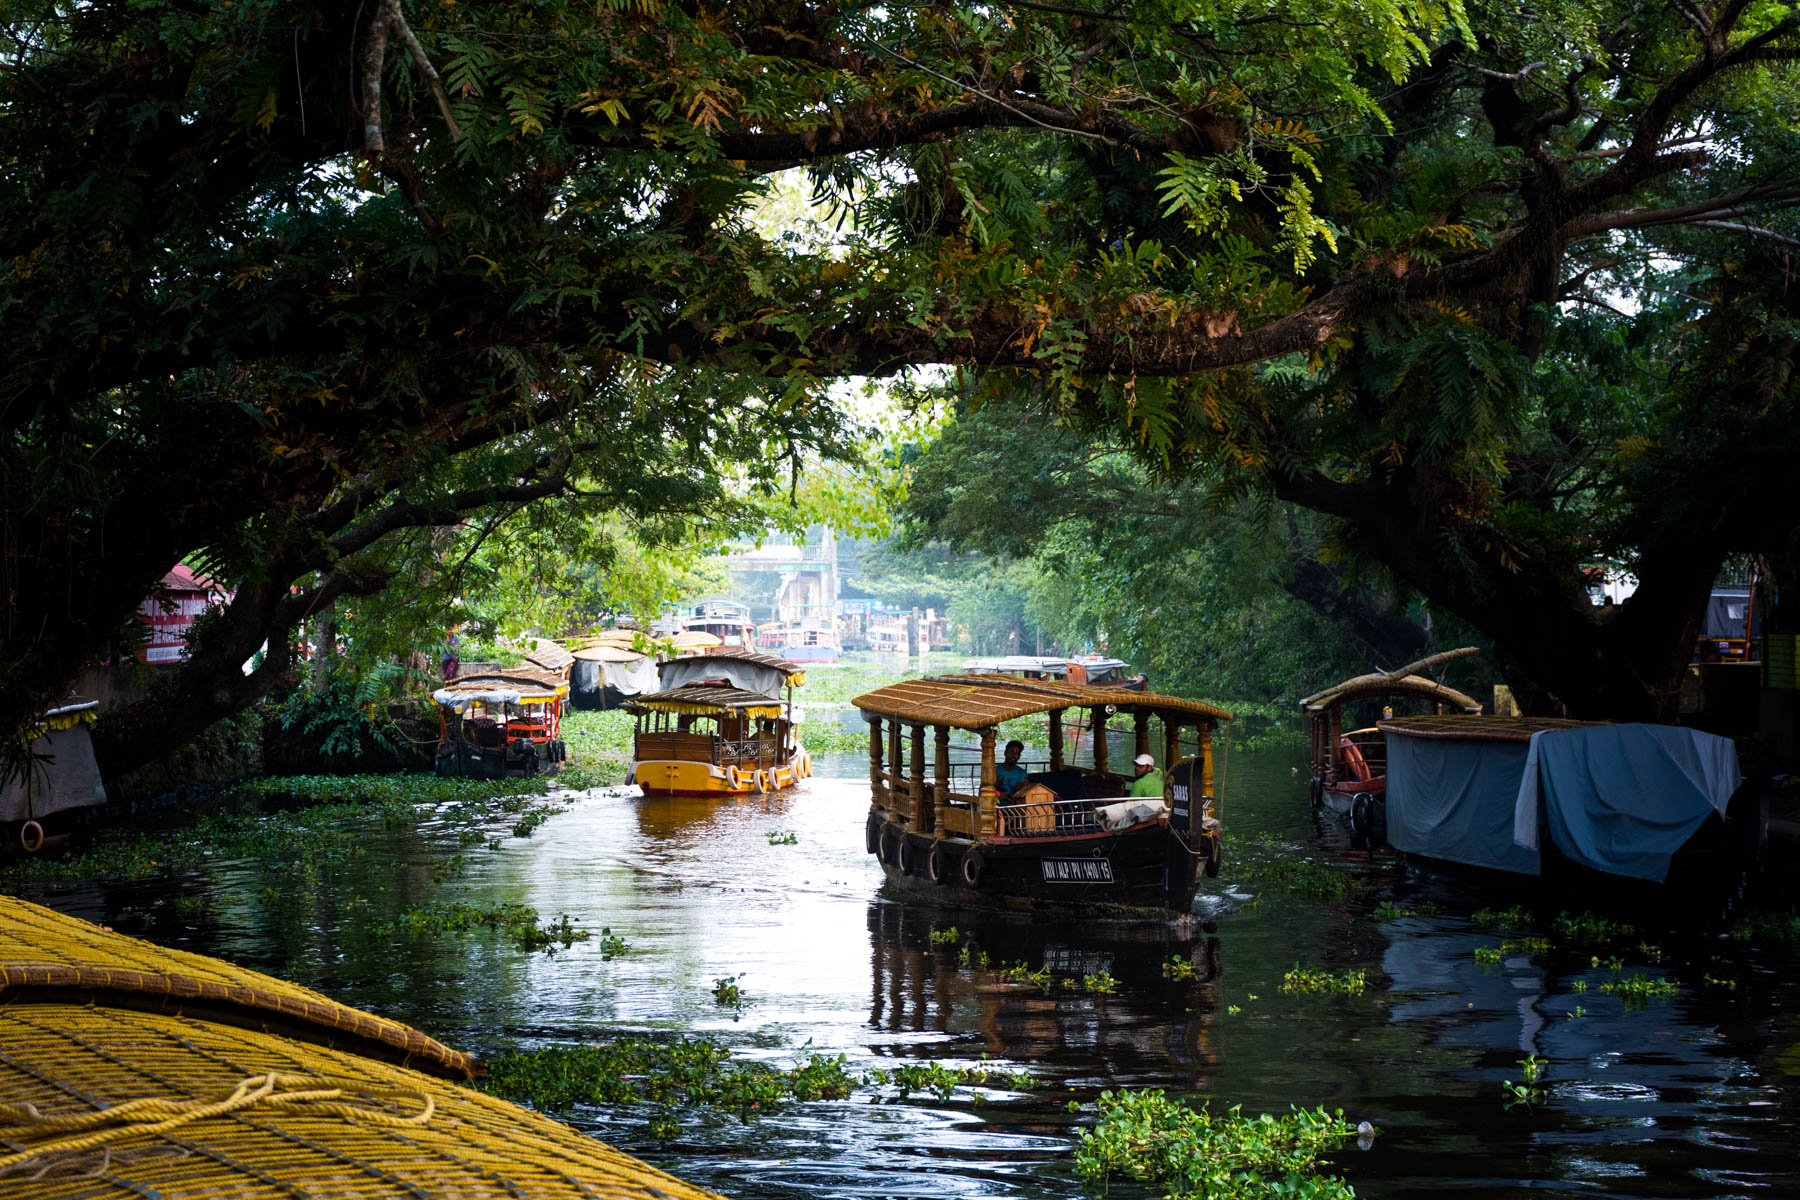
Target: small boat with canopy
1349, 767
501, 723
1071, 837
722, 723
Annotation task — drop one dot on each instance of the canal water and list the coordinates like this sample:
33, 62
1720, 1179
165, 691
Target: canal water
1691, 1095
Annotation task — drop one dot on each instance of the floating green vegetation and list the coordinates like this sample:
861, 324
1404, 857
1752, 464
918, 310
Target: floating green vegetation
328, 826
1767, 925
1533, 947
1488, 955
1190, 1154
1307, 981
726, 991
1515, 917
1310, 878
972, 957
1711, 980
612, 945
690, 1072
941, 1081
1100, 982
695, 1073
946, 937
518, 922
778, 838
1588, 929
448, 868
1021, 972
1178, 969
1638, 988
1531, 1071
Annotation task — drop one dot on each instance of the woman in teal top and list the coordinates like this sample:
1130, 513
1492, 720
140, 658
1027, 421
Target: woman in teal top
1009, 776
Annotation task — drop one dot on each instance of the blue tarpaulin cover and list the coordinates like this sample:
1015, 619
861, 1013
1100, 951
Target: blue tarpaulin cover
1622, 798
1453, 798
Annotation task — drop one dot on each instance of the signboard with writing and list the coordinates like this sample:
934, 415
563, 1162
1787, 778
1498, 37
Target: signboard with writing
1077, 870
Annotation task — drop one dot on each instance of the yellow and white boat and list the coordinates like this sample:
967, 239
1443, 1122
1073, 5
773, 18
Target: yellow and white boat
723, 724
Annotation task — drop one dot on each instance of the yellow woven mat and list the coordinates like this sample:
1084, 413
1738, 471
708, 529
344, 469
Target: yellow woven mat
98, 1102
41, 948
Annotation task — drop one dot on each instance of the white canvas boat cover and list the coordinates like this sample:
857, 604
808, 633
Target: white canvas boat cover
457, 701
744, 674
1453, 798
68, 776
633, 678
1623, 798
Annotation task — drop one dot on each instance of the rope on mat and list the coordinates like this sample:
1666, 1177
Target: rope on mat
152, 1115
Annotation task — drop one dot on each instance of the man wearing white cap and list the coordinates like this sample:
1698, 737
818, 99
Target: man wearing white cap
1149, 781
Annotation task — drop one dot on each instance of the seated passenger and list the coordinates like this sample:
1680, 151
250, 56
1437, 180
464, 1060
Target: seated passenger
1149, 781
1009, 776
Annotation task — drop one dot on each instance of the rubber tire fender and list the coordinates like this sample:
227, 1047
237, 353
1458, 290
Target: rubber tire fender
872, 835
937, 864
972, 865
906, 855
1362, 812
888, 853
1318, 791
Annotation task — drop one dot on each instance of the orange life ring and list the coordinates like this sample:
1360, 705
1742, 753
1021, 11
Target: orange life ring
1353, 758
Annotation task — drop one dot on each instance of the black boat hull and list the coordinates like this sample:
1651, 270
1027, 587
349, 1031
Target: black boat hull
1141, 872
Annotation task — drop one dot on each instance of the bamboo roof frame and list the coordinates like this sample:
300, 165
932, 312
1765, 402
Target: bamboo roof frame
738, 654
976, 702
1402, 681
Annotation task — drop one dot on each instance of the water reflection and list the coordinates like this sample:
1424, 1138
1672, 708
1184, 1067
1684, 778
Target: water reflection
1693, 1095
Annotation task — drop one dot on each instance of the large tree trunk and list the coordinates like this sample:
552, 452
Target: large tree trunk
1562, 654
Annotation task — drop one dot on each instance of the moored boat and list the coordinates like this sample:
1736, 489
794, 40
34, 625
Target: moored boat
1349, 767
1088, 670
501, 723
1538, 796
1070, 838
722, 723
60, 793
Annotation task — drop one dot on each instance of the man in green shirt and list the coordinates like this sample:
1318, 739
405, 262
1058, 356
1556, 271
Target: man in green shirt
1149, 781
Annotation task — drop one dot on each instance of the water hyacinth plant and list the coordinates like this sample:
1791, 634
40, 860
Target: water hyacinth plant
1194, 1154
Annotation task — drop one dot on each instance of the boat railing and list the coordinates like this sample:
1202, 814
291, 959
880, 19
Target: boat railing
1048, 818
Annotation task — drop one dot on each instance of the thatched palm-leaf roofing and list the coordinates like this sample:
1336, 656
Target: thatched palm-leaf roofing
126, 1090
706, 699
43, 949
550, 656
530, 680
983, 701
737, 654
1477, 728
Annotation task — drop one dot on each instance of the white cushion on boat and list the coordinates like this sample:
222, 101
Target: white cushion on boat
1126, 813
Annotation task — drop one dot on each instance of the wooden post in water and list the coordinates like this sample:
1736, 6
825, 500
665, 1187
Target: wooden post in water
896, 790
1171, 753
942, 772
1098, 723
985, 817
921, 801
1206, 769
1140, 726
1056, 739
875, 758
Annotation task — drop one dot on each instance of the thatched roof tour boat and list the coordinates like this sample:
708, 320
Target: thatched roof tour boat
501, 723
1070, 838
722, 724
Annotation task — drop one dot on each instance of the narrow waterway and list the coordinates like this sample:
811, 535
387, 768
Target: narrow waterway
1691, 1095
